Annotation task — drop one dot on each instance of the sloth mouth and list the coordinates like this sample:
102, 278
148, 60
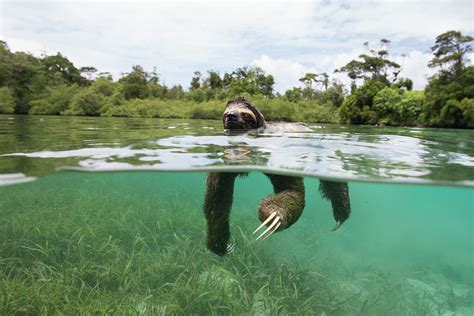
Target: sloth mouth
233, 123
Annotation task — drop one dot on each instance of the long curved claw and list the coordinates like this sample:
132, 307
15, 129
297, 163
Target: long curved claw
271, 228
230, 249
269, 218
338, 225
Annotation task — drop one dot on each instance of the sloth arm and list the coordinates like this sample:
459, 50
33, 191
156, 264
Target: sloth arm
287, 202
338, 194
217, 205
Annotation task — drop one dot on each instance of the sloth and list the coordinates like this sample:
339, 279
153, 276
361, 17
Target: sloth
278, 211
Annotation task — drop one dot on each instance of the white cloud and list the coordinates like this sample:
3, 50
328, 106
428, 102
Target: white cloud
415, 66
285, 72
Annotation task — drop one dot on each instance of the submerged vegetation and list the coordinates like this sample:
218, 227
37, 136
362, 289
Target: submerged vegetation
53, 85
70, 245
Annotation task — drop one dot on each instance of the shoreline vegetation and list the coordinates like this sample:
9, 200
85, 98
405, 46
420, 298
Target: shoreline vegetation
52, 85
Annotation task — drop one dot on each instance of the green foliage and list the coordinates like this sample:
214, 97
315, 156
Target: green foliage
398, 107
196, 81
24, 77
294, 94
86, 102
213, 81
467, 107
104, 86
135, 85
54, 100
277, 109
444, 93
60, 70
450, 50
333, 94
412, 104
175, 92
350, 112
358, 107
375, 65
449, 92
387, 105
197, 95
7, 101
379, 103
54, 85
251, 80
157, 90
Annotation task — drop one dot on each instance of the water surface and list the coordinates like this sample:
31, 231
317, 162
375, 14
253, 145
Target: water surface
35, 145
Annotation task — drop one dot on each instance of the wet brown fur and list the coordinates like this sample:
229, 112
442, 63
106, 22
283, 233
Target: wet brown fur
288, 200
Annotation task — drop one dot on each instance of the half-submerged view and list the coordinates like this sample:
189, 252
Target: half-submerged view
347, 189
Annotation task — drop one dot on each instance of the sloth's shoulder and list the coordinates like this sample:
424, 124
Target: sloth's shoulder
287, 127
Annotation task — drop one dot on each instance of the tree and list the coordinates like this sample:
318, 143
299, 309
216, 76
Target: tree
6, 69
104, 86
308, 79
86, 102
375, 65
323, 79
134, 84
251, 80
28, 80
264, 82
294, 94
213, 80
7, 101
62, 70
175, 92
453, 84
333, 94
354, 70
196, 81
450, 50
54, 100
357, 108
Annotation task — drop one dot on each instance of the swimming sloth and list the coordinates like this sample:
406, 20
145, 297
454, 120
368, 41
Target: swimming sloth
276, 212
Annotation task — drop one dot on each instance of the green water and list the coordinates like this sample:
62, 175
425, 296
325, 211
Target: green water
128, 242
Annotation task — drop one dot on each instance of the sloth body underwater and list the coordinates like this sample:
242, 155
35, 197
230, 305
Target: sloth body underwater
279, 210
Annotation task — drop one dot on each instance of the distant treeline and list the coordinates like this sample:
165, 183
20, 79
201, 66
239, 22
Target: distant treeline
53, 85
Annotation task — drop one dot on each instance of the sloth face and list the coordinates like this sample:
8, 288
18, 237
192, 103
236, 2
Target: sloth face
241, 115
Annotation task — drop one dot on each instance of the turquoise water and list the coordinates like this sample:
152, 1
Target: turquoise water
132, 241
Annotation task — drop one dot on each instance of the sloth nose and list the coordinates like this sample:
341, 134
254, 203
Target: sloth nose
232, 116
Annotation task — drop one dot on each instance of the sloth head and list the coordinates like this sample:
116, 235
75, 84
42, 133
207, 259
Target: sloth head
240, 114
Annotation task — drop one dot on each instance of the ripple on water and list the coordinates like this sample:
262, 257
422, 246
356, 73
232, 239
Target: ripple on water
327, 151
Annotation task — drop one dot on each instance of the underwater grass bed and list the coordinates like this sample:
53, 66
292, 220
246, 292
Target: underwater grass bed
133, 243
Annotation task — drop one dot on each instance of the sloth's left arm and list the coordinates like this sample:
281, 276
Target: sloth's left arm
338, 194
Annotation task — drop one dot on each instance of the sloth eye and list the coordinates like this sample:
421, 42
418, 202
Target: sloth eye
246, 116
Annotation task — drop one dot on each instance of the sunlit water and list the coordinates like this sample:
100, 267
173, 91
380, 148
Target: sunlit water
134, 242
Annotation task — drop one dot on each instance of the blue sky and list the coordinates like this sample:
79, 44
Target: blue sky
285, 38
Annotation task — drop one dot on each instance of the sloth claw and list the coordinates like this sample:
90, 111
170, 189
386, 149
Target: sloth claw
338, 225
271, 228
230, 249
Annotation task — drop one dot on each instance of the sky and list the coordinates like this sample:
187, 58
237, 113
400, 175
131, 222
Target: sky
284, 38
